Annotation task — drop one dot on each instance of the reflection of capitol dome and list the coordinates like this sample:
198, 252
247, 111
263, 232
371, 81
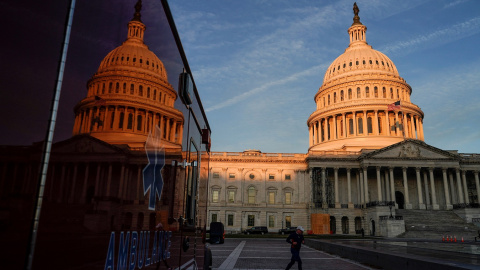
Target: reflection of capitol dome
352, 104
129, 95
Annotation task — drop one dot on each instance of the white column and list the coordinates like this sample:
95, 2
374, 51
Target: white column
432, 186
425, 181
310, 132
448, 205
465, 188
379, 185
459, 187
392, 187
452, 188
337, 200
365, 180
421, 205
477, 185
388, 196
324, 199
408, 205
349, 187
362, 194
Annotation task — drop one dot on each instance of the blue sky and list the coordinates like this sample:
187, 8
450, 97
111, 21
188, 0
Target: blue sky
258, 64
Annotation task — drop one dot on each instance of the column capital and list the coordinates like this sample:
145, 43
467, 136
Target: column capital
417, 169
336, 168
378, 168
404, 169
224, 169
431, 169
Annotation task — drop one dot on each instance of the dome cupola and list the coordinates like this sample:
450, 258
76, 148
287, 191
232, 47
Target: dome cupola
129, 95
352, 111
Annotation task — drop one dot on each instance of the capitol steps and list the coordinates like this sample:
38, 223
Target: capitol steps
435, 225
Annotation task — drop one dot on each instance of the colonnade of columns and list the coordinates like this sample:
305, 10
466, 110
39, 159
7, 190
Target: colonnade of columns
121, 118
454, 187
366, 122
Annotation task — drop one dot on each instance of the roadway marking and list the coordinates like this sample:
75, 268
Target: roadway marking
230, 262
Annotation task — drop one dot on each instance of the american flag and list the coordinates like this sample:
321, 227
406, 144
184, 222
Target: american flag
394, 106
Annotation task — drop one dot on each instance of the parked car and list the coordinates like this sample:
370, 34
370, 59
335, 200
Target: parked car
217, 233
287, 230
257, 229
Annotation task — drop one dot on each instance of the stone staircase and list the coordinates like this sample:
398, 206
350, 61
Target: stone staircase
436, 224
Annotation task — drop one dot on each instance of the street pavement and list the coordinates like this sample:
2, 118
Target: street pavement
273, 254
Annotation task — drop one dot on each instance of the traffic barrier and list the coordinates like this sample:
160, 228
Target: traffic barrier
443, 238
455, 239
462, 239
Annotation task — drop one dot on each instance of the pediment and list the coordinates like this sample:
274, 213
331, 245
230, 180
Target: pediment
85, 144
411, 149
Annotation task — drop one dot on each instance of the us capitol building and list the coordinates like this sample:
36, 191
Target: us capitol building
367, 167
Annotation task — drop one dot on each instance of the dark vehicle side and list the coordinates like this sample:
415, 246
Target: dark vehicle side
257, 229
287, 230
217, 233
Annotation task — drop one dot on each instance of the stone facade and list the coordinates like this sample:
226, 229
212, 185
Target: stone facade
366, 158
257, 189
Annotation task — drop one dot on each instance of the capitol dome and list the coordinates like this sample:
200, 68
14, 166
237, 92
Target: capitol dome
130, 95
363, 102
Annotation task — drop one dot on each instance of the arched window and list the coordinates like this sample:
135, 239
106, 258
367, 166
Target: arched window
130, 121
148, 92
360, 125
384, 93
124, 88
379, 125
369, 125
367, 92
359, 95
131, 89
112, 117
375, 90
103, 88
341, 95
391, 93
120, 120
328, 99
117, 87
139, 122
350, 126
110, 85
334, 97
140, 90
349, 93
251, 195
154, 94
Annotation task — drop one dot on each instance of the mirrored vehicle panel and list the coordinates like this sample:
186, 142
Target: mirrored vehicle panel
103, 162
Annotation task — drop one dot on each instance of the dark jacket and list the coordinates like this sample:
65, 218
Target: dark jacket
294, 237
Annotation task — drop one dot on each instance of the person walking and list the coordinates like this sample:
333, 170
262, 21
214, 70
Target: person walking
296, 240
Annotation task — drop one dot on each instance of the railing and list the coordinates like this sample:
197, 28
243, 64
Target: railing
390, 217
465, 205
257, 155
381, 203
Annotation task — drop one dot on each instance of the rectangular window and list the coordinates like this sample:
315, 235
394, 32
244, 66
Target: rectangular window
251, 195
251, 220
230, 220
214, 217
215, 194
231, 196
288, 198
271, 197
231, 176
271, 177
288, 177
216, 175
288, 221
271, 221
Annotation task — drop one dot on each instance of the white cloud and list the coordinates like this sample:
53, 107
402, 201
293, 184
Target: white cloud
441, 36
